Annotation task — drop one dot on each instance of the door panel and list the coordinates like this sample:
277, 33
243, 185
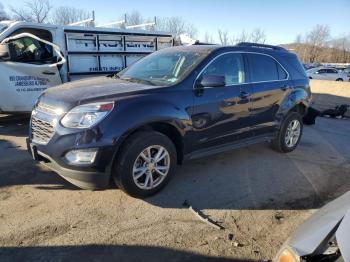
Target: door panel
221, 114
269, 86
22, 83
266, 99
32, 69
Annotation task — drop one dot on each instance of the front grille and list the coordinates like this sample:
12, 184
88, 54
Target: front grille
42, 131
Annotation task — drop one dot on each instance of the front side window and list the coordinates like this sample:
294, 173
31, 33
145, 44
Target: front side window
231, 66
265, 68
322, 71
163, 68
29, 50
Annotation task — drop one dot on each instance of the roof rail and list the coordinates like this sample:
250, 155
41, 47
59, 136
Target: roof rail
202, 43
273, 47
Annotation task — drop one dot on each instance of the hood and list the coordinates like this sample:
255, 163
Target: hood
92, 89
311, 233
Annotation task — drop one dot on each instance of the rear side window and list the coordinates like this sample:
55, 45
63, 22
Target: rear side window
265, 68
331, 71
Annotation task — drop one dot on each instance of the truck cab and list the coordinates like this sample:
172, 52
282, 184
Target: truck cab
34, 57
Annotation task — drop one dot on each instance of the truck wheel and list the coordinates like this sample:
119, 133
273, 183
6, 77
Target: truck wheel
145, 164
289, 134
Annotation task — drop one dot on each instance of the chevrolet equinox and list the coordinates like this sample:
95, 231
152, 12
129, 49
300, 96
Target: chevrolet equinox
173, 105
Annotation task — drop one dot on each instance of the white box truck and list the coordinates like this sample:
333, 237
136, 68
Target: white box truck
34, 57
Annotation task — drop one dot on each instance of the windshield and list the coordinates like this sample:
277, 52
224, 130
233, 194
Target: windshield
163, 68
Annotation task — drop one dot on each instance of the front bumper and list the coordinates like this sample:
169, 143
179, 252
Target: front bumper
92, 177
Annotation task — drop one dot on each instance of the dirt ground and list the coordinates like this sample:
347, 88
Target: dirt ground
258, 195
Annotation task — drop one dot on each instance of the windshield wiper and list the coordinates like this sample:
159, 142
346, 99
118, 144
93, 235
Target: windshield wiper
139, 80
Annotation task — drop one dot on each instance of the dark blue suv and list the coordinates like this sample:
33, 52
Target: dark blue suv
176, 104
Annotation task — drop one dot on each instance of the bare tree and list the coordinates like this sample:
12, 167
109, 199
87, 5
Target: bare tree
258, 36
298, 39
223, 37
344, 46
134, 18
65, 15
316, 39
33, 11
3, 14
317, 46
176, 26
243, 37
208, 38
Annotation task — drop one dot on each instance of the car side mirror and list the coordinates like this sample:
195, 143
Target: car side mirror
317, 72
5, 52
212, 81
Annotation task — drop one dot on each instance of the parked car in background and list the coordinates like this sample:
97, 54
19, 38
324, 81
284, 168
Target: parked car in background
324, 237
176, 104
324, 73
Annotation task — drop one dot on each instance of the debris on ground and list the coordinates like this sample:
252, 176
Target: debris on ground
202, 216
279, 216
230, 237
237, 244
337, 112
310, 117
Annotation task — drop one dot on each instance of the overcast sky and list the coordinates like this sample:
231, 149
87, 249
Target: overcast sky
281, 20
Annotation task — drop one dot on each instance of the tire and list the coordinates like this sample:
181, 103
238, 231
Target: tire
279, 142
129, 160
339, 79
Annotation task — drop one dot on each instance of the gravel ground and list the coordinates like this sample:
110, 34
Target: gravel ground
258, 195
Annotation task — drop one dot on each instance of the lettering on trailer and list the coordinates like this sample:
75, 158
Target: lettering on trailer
29, 83
105, 68
138, 45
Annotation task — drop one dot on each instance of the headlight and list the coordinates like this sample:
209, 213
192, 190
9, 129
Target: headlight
287, 255
87, 115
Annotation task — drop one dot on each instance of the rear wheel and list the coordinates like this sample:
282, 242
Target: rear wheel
339, 79
289, 134
145, 164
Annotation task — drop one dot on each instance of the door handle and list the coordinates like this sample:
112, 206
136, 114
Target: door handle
48, 73
244, 95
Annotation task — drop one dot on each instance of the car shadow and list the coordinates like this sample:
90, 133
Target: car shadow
103, 253
255, 177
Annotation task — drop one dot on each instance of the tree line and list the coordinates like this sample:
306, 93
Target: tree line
312, 47
43, 11
317, 46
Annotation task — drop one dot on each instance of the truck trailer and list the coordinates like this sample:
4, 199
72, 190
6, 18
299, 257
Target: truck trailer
34, 57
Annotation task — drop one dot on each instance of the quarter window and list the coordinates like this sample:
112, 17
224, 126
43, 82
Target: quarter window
264, 68
231, 66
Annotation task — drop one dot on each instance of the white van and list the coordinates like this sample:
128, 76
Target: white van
31, 63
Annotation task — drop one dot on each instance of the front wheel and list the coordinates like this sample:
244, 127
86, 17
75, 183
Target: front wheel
145, 164
339, 79
289, 134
